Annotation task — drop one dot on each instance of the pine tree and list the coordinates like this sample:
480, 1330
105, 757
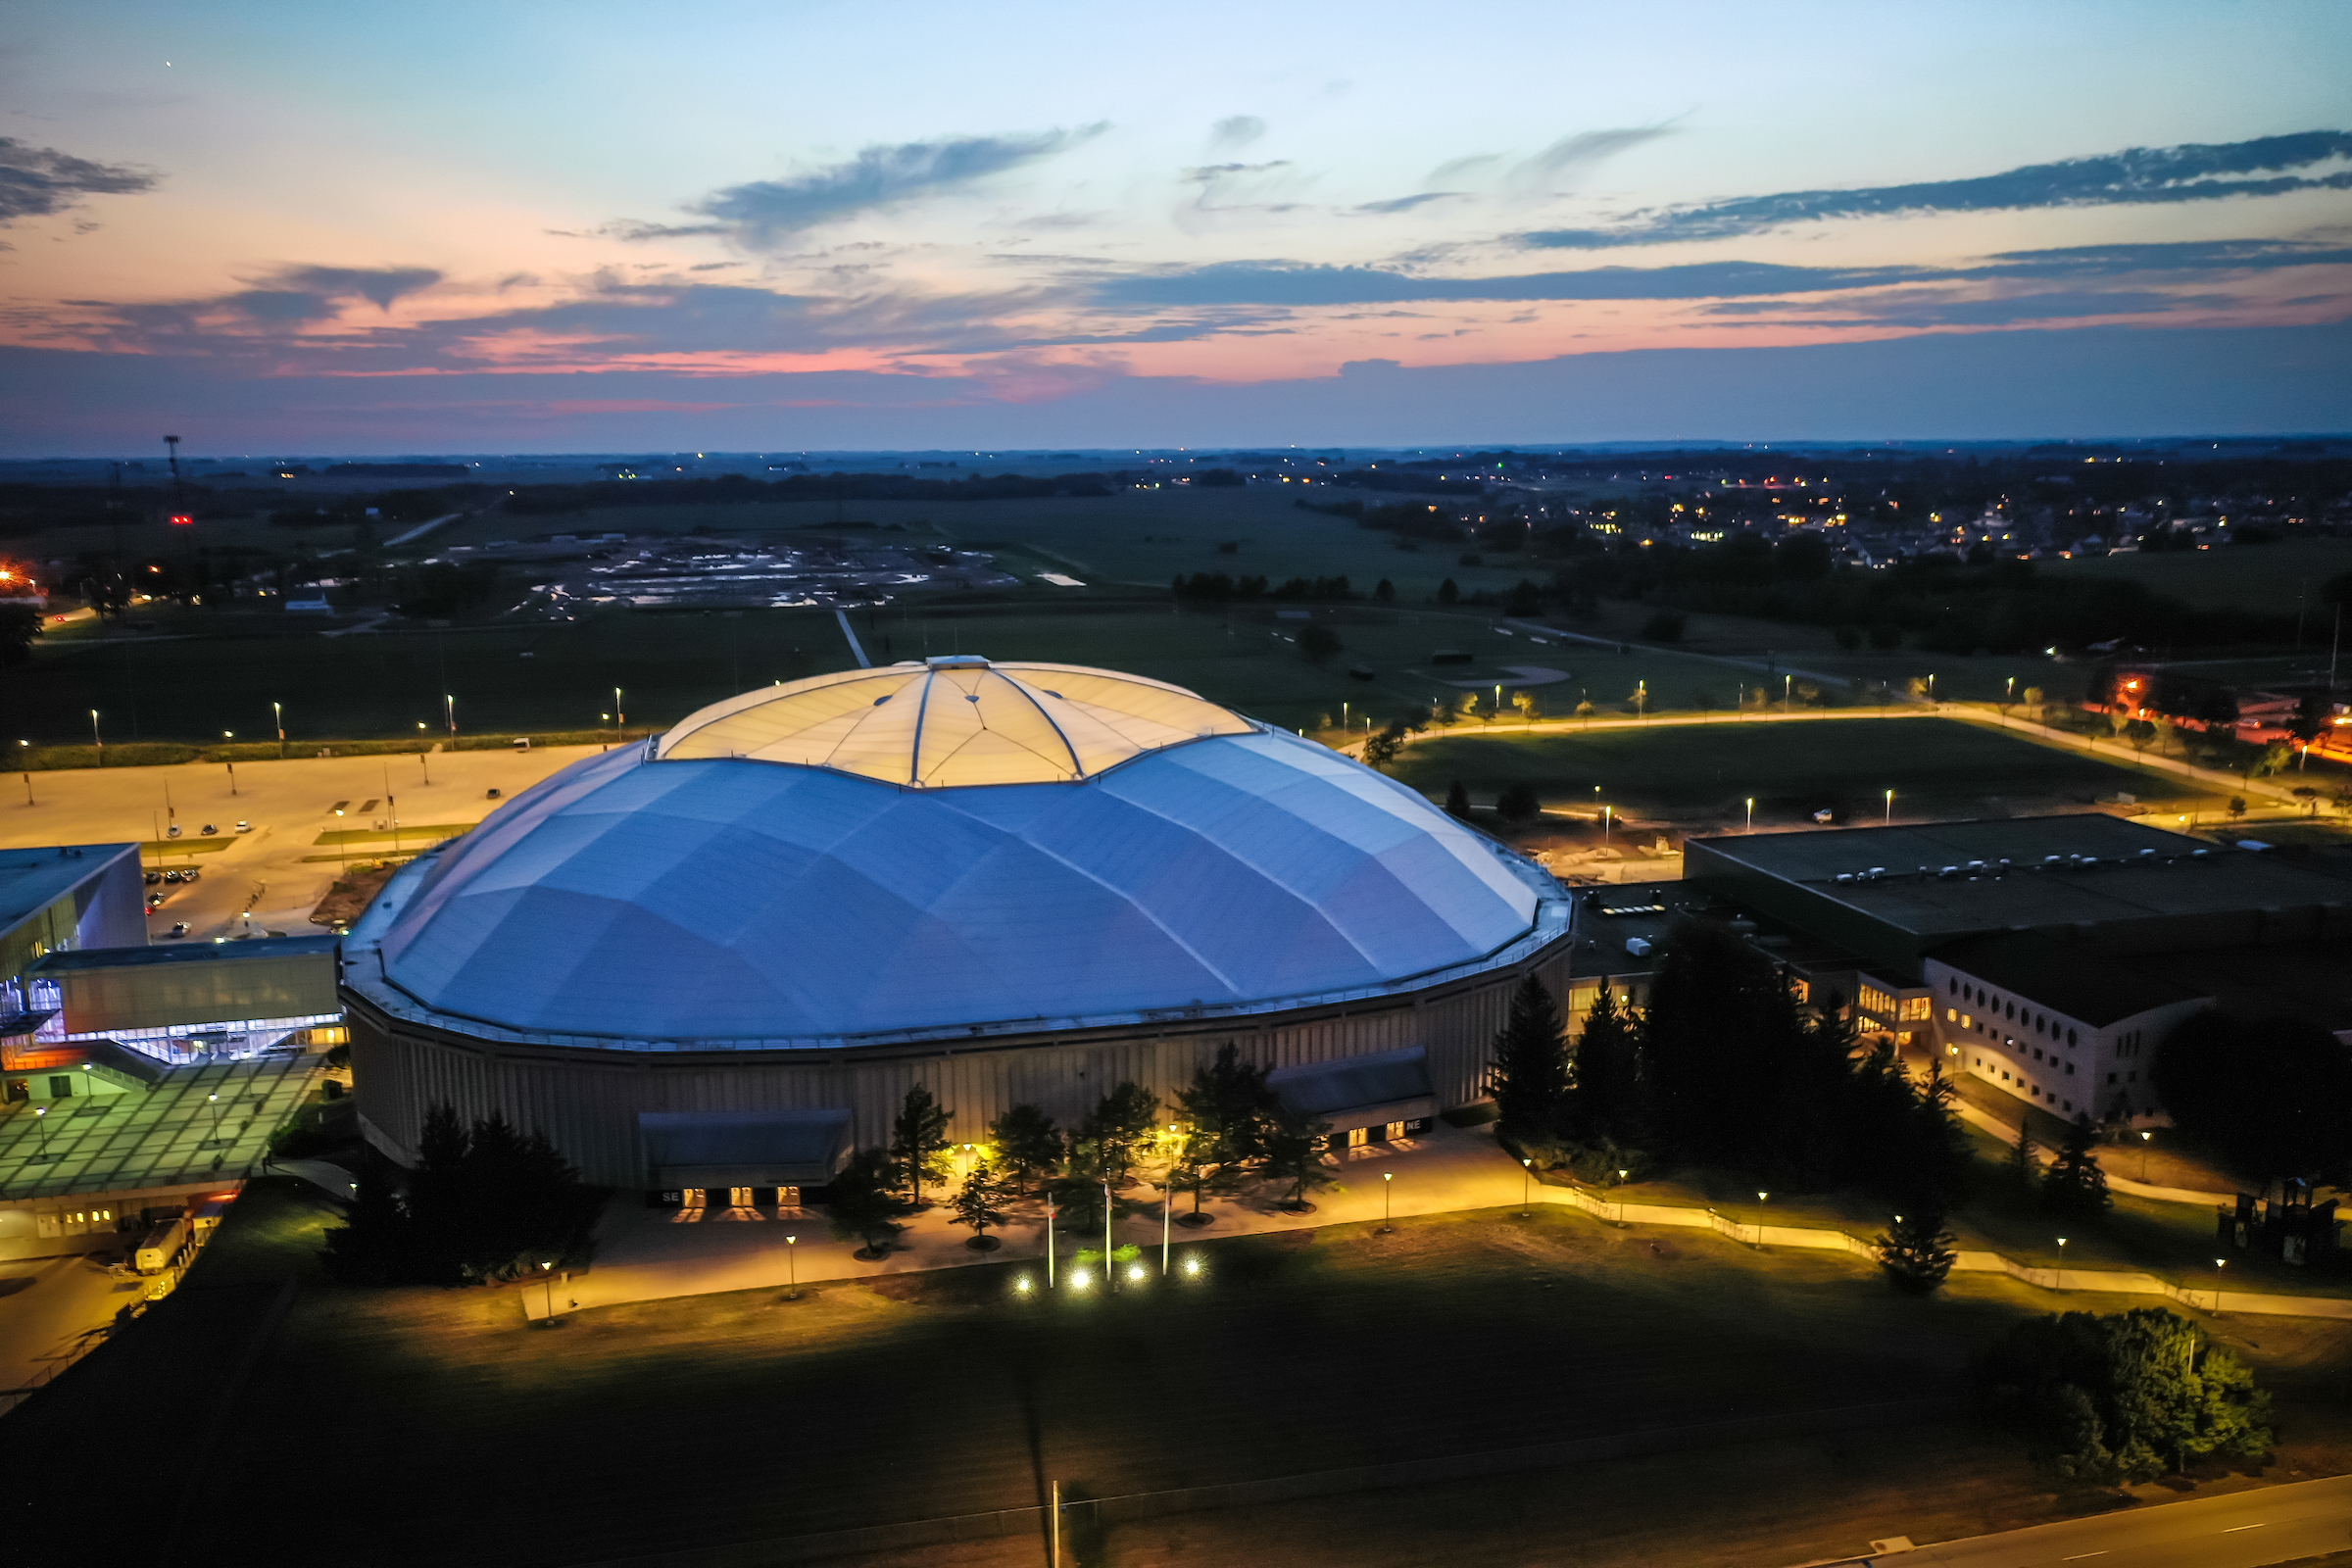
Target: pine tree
2074, 1185
2023, 1165
1458, 801
1603, 1104
1028, 1144
372, 1247
865, 1200
437, 1199
1120, 1121
1226, 1108
979, 1205
1294, 1145
918, 1139
1529, 1074
1077, 1194
1916, 1253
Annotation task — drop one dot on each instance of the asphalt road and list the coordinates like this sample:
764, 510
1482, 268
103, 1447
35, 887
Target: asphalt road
2244, 1530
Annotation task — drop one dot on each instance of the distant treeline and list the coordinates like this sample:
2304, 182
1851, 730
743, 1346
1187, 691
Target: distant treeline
1946, 605
735, 489
1214, 587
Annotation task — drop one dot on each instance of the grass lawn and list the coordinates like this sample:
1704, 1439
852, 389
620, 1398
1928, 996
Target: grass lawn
466, 1436
1939, 768
2260, 577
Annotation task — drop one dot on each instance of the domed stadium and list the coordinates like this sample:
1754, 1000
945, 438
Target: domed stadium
720, 958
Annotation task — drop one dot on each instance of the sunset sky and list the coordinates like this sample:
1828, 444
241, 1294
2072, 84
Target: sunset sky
431, 226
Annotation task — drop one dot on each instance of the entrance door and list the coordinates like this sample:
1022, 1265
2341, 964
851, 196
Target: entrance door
1393, 1130
1358, 1137
61, 1087
739, 1197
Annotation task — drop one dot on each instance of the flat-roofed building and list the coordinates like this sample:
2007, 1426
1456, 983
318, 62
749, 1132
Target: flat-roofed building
2048, 955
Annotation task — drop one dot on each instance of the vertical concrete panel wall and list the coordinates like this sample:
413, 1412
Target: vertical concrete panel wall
587, 1100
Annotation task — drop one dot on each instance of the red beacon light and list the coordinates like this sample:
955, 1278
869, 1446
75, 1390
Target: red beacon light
181, 519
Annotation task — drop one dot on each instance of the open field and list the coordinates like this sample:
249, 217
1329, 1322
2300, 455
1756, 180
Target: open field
2262, 577
1702, 773
676, 1424
531, 678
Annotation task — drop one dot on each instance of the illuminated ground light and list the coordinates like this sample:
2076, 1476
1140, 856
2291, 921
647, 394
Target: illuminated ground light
1021, 1285
1191, 1265
1135, 1271
1078, 1279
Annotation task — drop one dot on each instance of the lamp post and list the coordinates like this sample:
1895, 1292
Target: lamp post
1110, 1274
1762, 1199
619, 719
40, 1125
215, 1102
1048, 1244
1386, 1178
2143, 1155
1751, 814
2216, 1285
1527, 1183
792, 1266
2062, 1261
449, 706
96, 738
277, 712
546, 1274
1890, 808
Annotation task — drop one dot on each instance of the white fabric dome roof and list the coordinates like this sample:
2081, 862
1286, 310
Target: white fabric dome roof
683, 899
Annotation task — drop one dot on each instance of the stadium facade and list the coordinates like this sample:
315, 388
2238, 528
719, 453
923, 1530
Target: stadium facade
724, 957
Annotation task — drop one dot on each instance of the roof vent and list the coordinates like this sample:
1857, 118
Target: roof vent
956, 662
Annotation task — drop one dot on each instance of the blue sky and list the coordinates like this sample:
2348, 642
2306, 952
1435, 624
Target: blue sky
562, 227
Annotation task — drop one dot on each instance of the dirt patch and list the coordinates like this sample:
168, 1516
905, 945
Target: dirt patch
351, 895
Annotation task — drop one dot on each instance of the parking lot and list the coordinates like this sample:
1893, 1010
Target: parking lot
270, 878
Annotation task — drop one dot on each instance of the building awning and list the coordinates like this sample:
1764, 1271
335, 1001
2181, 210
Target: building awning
1366, 1091
744, 1149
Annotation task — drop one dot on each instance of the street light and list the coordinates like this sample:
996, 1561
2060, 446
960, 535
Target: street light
550, 1278
619, 719
40, 1125
1890, 808
2217, 1287
791, 1267
1762, 1199
449, 704
1527, 1182
278, 711
1385, 1177
1751, 814
97, 738
2143, 1155
215, 1102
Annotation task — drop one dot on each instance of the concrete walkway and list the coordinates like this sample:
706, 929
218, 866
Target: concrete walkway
652, 1254
647, 1254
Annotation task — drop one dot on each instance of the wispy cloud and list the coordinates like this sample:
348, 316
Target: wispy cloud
1298, 284
35, 181
2194, 172
765, 214
1543, 174
1234, 131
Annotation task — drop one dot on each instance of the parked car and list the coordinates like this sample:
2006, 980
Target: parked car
179, 928
494, 795
172, 831
153, 877
191, 875
172, 875
244, 827
208, 830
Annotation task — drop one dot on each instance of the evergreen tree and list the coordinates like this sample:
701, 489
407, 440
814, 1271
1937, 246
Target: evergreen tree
2074, 1185
918, 1139
1603, 1099
2023, 1168
1294, 1145
1916, 1253
1528, 1075
524, 1201
437, 1199
1077, 1194
372, 1247
1120, 1122
1458, 801
1028, 1144
1518, 803
1226, 1108
866, 1202
980, 1203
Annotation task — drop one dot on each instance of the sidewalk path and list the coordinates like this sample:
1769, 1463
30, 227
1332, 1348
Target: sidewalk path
650, 1254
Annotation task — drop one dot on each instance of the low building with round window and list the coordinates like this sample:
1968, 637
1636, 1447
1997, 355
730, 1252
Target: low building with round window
718, 959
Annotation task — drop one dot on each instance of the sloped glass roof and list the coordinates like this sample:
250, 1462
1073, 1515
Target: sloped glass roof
953, 722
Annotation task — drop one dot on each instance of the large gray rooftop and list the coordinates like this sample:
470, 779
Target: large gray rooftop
1954, 878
